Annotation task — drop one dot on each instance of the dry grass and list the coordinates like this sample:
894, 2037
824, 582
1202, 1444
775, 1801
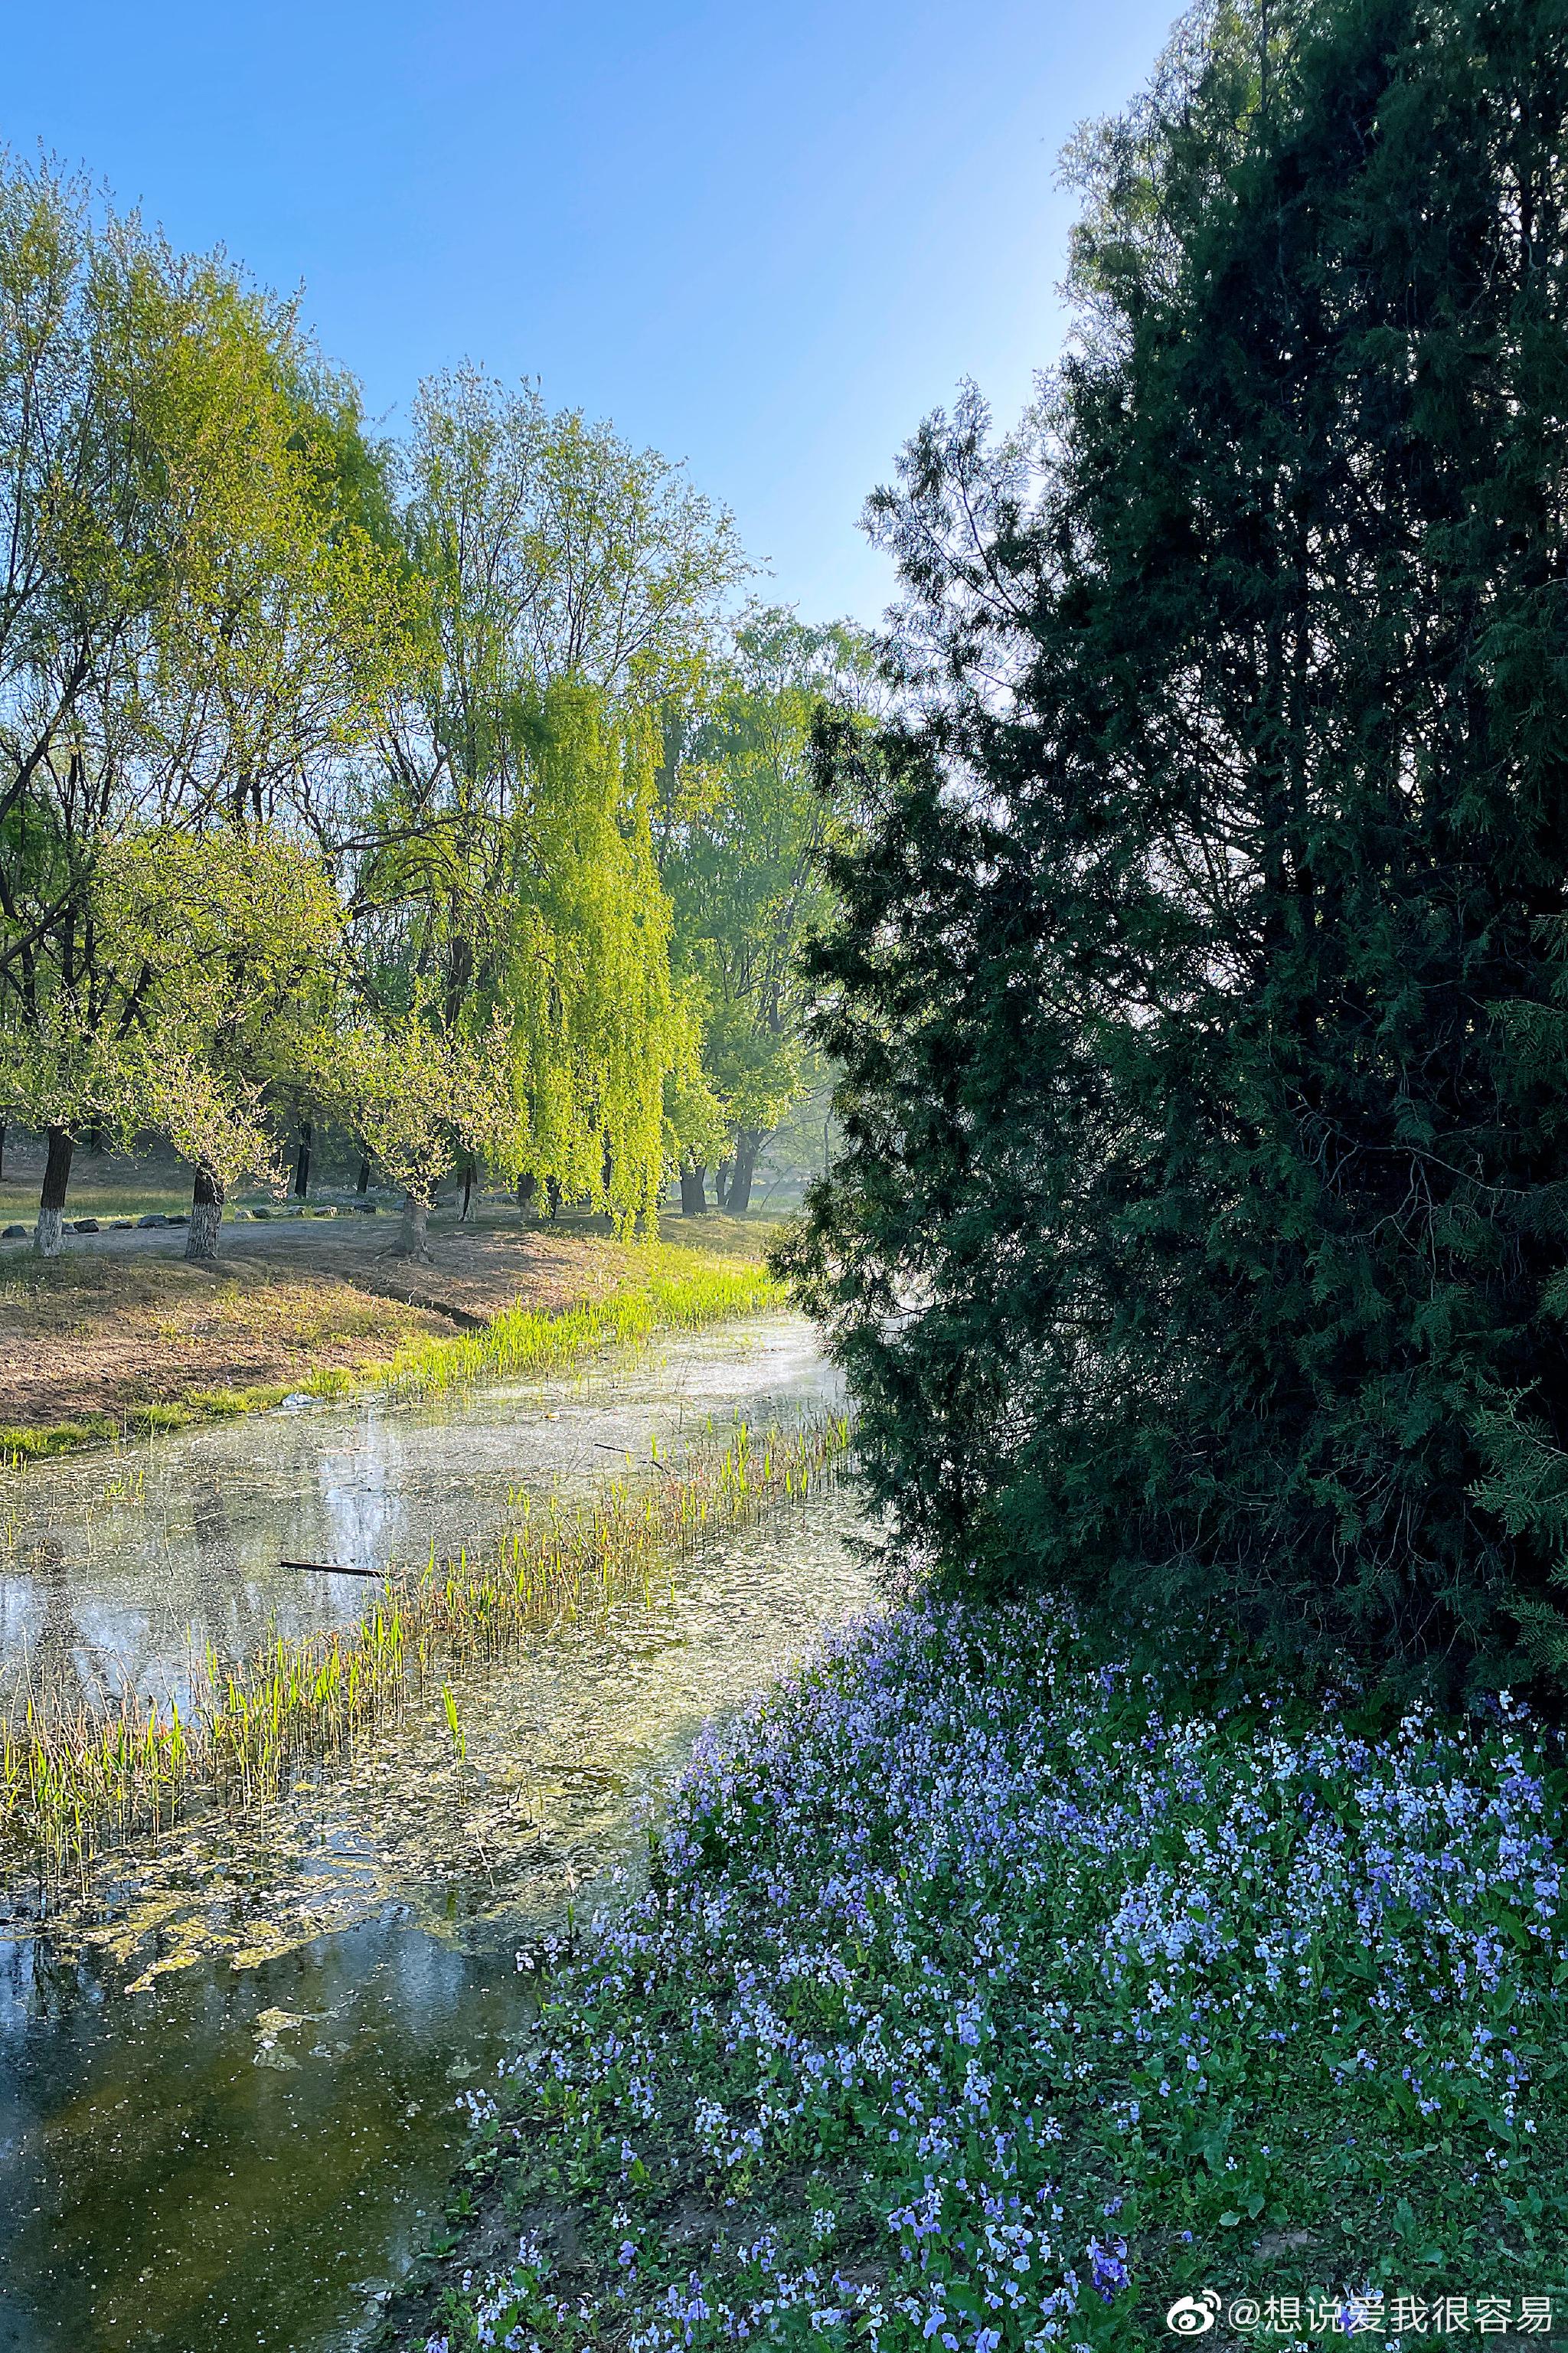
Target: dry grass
86, 1337
121, 1331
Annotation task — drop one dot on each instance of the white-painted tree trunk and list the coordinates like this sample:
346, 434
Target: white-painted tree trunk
207, 1216
201, 1239
413, 1241
52, 1198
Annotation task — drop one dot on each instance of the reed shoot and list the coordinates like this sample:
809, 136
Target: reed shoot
683, 1291
69, 1787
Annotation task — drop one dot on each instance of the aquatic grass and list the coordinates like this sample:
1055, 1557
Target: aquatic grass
680, 1291
70, 1786
22, 1443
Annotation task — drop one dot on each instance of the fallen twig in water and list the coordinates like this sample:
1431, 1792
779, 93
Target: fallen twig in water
332, 1569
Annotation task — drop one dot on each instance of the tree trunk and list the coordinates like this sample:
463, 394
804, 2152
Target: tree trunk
553, 1194
2, 1147
363, 1185
527, 1193
694, 1192
414, 1242
469, 1173
207, 1216
721, 1184
52, 1199
748, 1144
303, 1161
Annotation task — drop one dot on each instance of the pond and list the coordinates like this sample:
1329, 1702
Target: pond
229, 2071
116, 1567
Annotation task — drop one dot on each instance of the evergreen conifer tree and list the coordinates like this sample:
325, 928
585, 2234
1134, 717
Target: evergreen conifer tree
1200, 1226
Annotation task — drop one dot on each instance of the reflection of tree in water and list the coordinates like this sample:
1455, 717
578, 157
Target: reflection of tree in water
211, 1597
361, 1503
39, 1980
62, 1670
227, 1607
179, 1547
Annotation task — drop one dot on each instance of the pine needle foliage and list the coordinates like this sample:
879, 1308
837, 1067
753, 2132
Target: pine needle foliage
1202, 1213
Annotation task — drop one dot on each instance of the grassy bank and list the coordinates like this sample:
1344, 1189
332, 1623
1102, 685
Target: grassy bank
69, 1788
993, 1993
682, 1291
339, 1339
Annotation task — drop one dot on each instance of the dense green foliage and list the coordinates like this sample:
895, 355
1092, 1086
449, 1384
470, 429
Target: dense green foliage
328, 768
1203, 1213
193, 625
560, 584
740, 831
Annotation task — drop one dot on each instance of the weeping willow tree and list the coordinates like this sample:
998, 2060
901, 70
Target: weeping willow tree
513, 907
597, 1023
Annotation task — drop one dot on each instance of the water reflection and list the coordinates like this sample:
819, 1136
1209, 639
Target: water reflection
119, 1567
227, 2076
189, 2175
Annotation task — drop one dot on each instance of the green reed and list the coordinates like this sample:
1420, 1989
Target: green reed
681, 1291
70, 1787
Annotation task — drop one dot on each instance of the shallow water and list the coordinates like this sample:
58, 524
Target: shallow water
229, 2076
117, 1568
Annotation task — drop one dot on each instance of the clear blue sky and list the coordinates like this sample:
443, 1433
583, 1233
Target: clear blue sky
764, 239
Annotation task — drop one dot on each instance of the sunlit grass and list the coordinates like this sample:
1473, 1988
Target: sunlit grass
681, 1291
21, 1444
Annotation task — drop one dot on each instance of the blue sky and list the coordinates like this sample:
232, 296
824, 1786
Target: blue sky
765, 240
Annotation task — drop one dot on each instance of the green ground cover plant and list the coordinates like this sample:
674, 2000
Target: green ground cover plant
995, 1987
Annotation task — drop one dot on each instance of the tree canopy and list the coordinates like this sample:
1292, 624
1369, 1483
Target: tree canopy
742, 830
327, 766
1199, 1231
